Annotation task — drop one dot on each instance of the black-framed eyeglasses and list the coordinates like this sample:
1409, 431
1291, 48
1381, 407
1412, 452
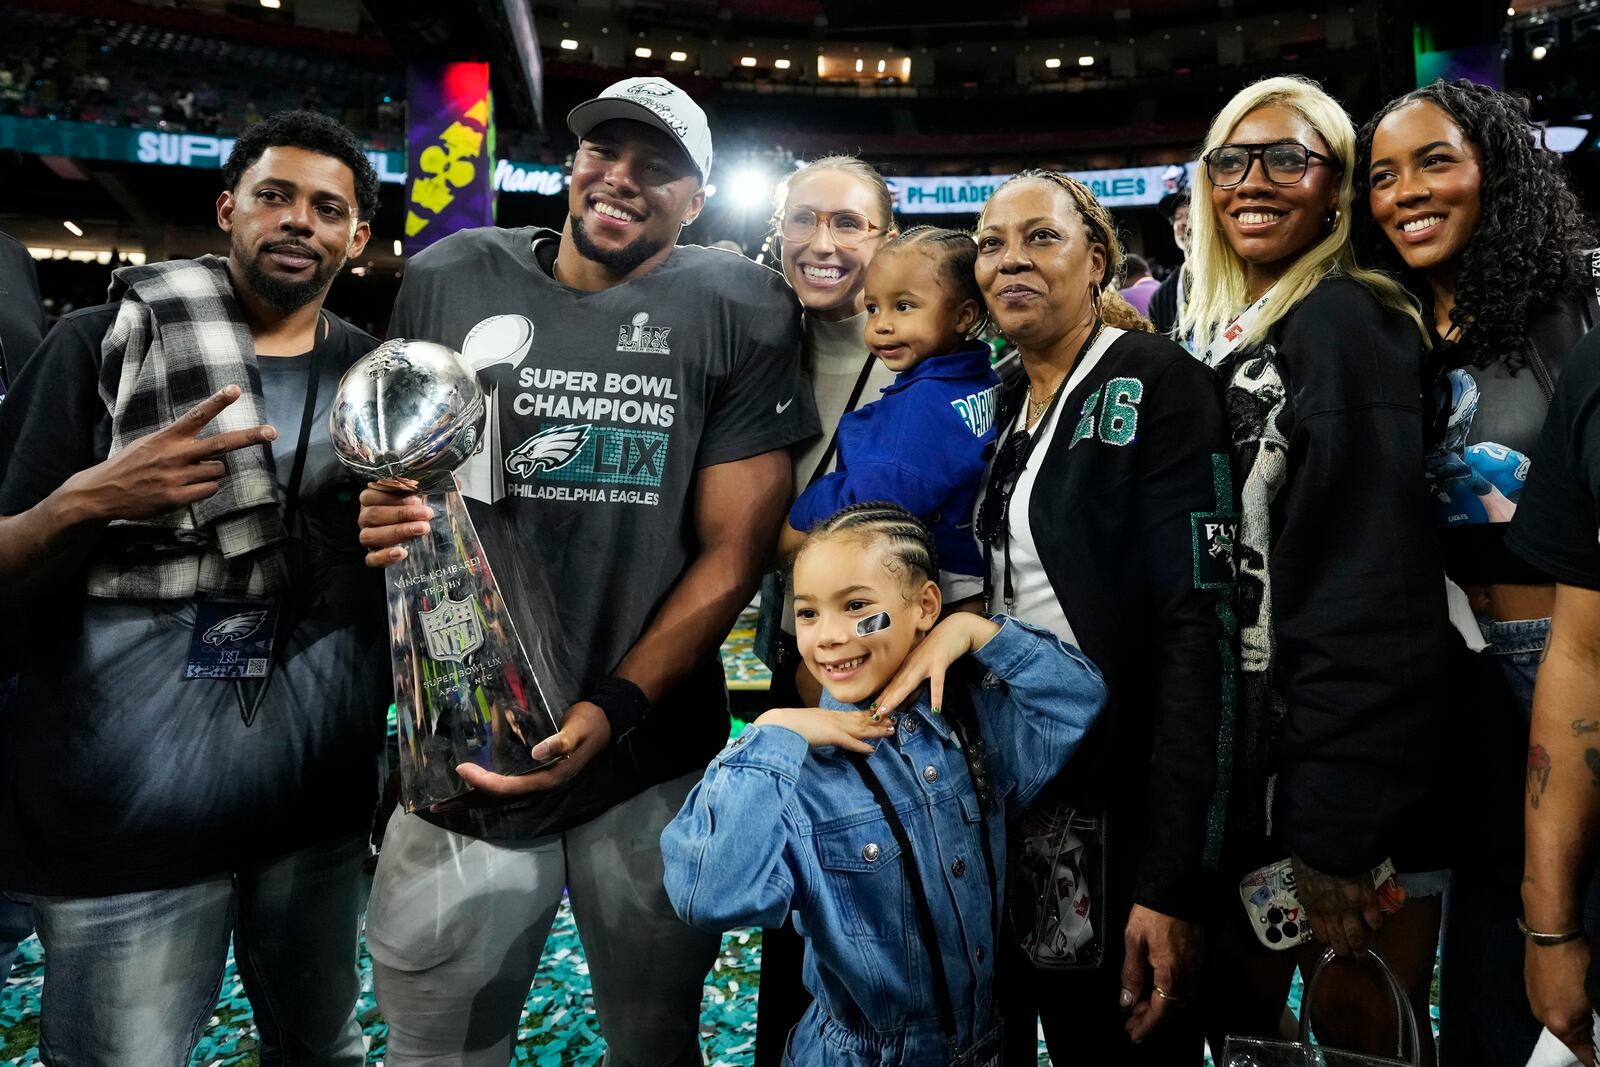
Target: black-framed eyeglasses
1003, 477
848, 228
1283, 162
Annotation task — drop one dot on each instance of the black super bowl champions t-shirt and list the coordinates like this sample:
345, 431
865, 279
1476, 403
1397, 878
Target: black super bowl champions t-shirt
603, 406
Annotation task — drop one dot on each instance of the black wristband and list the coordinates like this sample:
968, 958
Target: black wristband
623, 702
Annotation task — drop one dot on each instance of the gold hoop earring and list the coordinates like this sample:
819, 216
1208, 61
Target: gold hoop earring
1332, 218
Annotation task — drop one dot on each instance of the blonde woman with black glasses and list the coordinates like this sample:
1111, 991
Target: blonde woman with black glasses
1341, 592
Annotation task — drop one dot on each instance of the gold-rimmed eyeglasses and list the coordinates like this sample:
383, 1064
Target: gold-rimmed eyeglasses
848, 228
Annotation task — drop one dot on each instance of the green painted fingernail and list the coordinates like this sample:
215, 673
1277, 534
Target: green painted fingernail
935, 709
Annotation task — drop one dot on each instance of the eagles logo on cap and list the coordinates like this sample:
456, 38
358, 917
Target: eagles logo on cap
655, 102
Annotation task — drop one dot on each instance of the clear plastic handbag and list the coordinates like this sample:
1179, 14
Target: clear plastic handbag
1261, 1052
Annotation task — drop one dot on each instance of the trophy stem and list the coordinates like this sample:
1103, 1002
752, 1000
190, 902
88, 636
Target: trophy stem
464, 691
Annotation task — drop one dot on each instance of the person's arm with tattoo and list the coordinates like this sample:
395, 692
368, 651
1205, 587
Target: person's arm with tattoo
1561, 814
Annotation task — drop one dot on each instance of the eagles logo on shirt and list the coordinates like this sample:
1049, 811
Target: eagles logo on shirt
547, 450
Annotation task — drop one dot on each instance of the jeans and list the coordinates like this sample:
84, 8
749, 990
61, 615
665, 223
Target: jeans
16, 923
131, 980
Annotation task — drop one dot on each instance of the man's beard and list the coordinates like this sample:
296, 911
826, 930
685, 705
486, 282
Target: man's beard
623, 261
284, 295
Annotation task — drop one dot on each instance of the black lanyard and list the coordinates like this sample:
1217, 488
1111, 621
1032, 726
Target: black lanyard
291, 509
850, 405
919, 895
1008, 593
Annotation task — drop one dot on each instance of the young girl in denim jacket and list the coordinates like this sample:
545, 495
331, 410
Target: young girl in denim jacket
790, 817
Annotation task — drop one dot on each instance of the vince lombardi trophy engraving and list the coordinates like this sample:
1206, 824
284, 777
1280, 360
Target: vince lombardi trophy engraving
466, 690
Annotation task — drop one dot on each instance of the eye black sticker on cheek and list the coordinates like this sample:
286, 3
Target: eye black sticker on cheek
872, 624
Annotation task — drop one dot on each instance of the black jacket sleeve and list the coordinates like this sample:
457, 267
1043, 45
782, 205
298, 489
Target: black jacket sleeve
1188, 526
1357, 585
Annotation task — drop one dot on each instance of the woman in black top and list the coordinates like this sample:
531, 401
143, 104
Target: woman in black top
1476, 218
1107, 518
1341, 601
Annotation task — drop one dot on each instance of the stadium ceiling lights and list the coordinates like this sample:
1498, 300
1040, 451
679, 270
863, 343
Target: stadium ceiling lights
643, 53
569, 45
747, 61
1086, 61
1052, 63
678, 57
272, 5
781, 64
73, 228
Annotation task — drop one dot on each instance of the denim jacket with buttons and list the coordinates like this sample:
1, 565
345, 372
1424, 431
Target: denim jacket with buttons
775, 828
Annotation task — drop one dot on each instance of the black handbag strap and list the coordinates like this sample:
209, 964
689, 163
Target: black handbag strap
963, 717
919, 894
850, 405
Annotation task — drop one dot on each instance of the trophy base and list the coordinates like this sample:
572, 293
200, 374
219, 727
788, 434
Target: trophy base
464, 688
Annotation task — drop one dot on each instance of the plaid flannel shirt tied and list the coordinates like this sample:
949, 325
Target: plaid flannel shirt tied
179, 336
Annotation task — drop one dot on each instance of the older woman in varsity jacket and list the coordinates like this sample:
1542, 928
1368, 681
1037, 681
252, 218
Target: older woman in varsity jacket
1107, 517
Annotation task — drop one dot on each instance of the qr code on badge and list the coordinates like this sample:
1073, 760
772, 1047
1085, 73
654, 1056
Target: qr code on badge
255, 668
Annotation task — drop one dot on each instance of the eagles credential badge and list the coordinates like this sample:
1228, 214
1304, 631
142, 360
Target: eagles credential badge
452, 629
231, 639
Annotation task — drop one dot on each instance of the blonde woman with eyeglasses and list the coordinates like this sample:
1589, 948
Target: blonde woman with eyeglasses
1341, 596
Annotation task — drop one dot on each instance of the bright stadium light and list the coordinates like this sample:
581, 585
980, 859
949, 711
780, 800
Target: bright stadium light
1540, 51
678, 57
747, 61
1086, 61
272, 5
569, 45
73, 228
642, 53
1052, 63
399, 249
781, 64
750, 187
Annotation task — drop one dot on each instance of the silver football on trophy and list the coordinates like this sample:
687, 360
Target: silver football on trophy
407, 409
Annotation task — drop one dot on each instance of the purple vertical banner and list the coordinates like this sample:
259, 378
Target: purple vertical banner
449, 151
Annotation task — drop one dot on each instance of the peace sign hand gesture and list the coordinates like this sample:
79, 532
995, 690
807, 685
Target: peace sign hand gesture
170, 468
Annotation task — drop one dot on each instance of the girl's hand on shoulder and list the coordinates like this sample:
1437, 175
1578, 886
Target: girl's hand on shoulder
947, 642
839, 729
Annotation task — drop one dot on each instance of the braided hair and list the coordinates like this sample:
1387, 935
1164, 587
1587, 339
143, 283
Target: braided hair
1531, 236
908, 540
958, 254
1101, 227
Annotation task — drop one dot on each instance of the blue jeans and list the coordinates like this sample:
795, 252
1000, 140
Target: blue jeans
16, 923
131, 980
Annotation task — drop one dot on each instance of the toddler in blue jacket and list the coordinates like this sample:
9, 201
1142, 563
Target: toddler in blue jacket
949, 727
921, 445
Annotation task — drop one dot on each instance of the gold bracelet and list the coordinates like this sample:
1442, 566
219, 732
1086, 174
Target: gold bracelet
1538, 937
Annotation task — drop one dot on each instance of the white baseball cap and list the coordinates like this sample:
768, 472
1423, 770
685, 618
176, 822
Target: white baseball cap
655, 102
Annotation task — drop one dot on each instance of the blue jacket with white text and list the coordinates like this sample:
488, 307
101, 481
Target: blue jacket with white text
921, 445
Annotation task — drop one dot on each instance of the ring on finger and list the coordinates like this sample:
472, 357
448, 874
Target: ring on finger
1164, 995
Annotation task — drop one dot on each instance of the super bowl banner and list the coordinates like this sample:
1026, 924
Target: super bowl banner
965, 194
449, 151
